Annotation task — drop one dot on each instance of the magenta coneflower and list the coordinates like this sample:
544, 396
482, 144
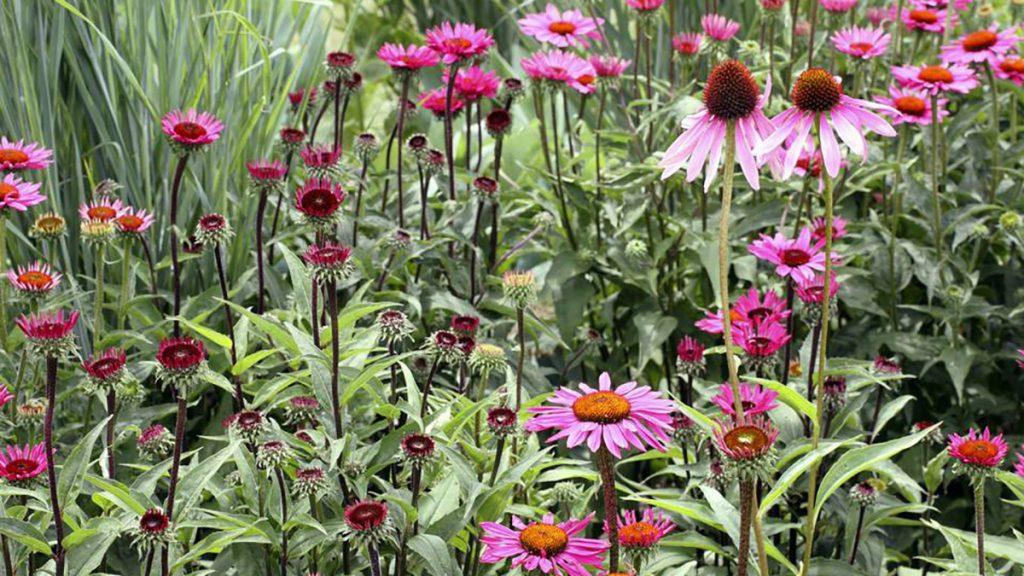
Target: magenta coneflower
746, 443
213, 229
35, 280
417, 448
18, 195
838, 6
191, 130
981, 46
465, 323
936, 79
731, 96
978, 452
49, 333
818, 229
912, 106
103, 208
133, 222
310, 481
436, 102
1019, 467
547, 546
152, 530
367, 520
302, 409
320, 160
302, 94
562, 29
155, 441
556, 69
718, 27
106, 369
761, 341
883, 365
502, 421
608, 67
266, 173
407, 59
750, 308
180, 362
628, 415
339, 64
18, 155
686, 43
1010, 68
927, 20
793, 257
645, 6
458, 42
819, 101
474, 83
247, 424
812, 291
639, 534
20, 466
690, 356
328, 261
291, 139
755, 400
863, 43
318, 201
5, 395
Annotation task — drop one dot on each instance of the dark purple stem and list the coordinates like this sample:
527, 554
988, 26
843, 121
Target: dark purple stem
173, 218
51, 469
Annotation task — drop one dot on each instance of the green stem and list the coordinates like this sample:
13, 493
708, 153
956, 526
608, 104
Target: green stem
979, 522
126, 281
723, 264
97, 312
995, 132
936, 199
606, 468
3, 285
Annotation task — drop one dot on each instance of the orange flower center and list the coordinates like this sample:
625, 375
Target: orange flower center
638, 534
604, 407
458, 43
8, 191
816, 91
544, 539
861, 47
47, 222
102, 213
735, 316
795, 257
562, 27
189, 130
586, 79
746, 438
35, 279
129, 222
924, 16
935, 74
980, 40
1013, 65
910, 105
979, 449
13, 156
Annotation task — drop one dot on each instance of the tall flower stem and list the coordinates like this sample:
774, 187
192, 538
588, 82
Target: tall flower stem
597, 166
815, 340
97, 309
857, 535
229, 320
746, 512
277, 207
936, 198
979, 522
499, 449
111, 434
179, 446
475, 248
426, 388
261, 209
400, 135
3, 285
723, 264
492, 251
521, 337
449, 147
993, 90
51, 469
559, 191
374, 559
606, 468
332, 304
812, 492
282, 488
179, 172
359, 201
8, 564
127, 279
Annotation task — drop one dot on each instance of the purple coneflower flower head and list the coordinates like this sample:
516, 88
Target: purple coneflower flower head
22, 466
213, 229
339, 65
838, 6
49, 333
272, 455
773, 5
249, 425
818, 229
310, 482
474, 83
394, 326
557, 69
980, 47
819, 101
747, 446
103, 208
883, 365
512, 89
978, 454
860, 42
320, 161
645, 6
812, 294
367, 521
924, 19
639, 534
866, 493
608, 68
612, 418
687, 43
690, 357
936, 79
107, 370
561, 29
318, 202
16, 156
418, 449
153, 530
407, 59
35, 280
17, 195
301, 409
760, 342
1010, 68
497, 122
436, 101
155, 441
486, 358
1019, 466
328, 262
5, 395
181, 363
835, 394
485, 188
459, 42
755, 400
684, 429
730, 96
750, 308
366, 146
443, 346
291, 139
465, 323
546, 547
132, 223
307, 95
520, 288
266, 175
798, 257
191, 130
718, 27
503, 421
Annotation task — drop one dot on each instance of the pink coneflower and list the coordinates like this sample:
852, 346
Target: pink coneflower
49, 332
978, 451
459, 41
411, 58
819, 101
329, 261
155, 441
863, 43
608, 67
644, 5
793, 257
18, 155
367, 520
320, 160
302, 94
1019, 467
1010, 68
502, 421
191, 130
36, 279
418, 449
730, 95
474, 83
546, 546
927, 20
562, 29
883, 365
812, 291
434, 101
318, 201
981, 46
773, 5
264, 172
18, 195
687, 43
912, 106
103, 208
5, 395
1020, 357
745, 442
291, 138
133, 222
690, 355
20, 465
718, 27
108, 367
180, 354
936, 79
639, 533
628, 415
465, 323
818, 229
755, 400
750, 308
877, 15
761, 341
557, 69
838, 6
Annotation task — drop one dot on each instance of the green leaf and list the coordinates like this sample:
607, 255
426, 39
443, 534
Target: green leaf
69, 484
117, 493
890, 410
796, 470
251, 360
434, 552
194, 480
788, 396
217, 338
25, 534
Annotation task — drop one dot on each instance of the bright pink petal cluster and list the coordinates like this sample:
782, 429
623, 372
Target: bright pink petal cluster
980, 449
562, 29
936, 79
560, 68
191, 129
407, 58
863, 43
793, 257
547, 546
642, 531
755, 400
459, 41
718, 27
18, 195
37, 278
19, 464
18, 155
912, 106
981, 46
687, 43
